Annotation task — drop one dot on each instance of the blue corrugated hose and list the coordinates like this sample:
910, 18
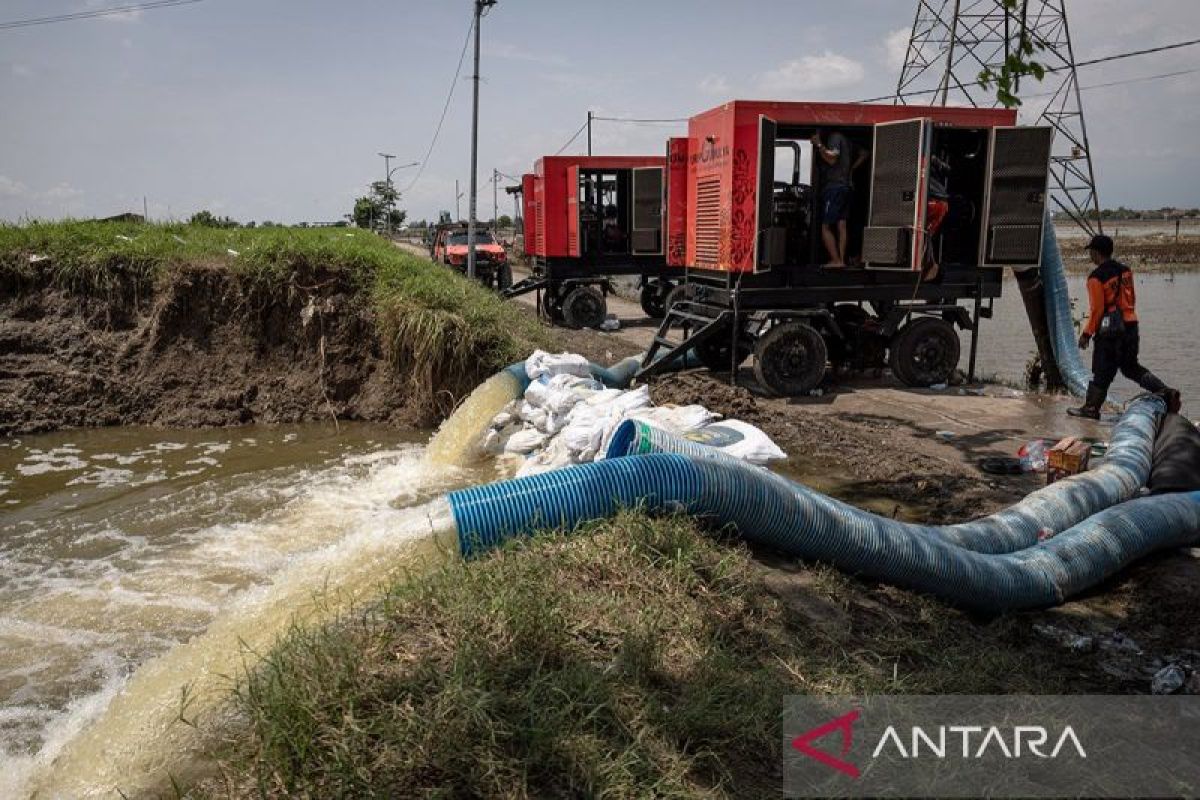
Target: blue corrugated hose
1047, 511
768, 509
1058, 314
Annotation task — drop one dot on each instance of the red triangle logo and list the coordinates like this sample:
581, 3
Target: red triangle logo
844, 724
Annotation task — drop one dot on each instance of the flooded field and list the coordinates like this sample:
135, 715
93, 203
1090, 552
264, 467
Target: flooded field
1167, 303
120, 544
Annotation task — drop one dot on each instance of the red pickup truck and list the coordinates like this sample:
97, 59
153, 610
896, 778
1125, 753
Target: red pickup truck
491, 261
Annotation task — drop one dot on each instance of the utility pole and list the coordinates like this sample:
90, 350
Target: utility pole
481, 7
589, 126
387, 185
495, 201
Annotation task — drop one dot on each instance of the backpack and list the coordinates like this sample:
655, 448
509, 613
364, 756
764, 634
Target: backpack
1113, 322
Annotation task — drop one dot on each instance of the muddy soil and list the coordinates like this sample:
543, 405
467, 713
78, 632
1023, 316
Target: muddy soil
870, 457
206, 349
1115, 638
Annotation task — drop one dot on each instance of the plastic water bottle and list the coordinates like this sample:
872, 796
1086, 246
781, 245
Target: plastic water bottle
1033, 456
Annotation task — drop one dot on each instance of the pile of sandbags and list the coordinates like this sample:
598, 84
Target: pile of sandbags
568, 417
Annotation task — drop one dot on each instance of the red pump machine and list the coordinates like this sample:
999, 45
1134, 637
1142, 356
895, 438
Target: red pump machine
756, 281
589, 218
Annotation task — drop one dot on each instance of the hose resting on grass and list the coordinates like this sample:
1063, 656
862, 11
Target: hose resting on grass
767, 509
1043, 513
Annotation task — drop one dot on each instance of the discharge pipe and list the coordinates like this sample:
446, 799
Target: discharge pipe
767, 509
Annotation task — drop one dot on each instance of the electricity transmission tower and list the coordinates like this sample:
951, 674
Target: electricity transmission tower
952, 41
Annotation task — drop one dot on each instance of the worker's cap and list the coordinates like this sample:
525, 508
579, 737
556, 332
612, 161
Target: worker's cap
1101, 244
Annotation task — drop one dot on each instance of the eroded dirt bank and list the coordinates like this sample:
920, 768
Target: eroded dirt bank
206, 348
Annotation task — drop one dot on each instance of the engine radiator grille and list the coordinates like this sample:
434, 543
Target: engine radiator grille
708, 222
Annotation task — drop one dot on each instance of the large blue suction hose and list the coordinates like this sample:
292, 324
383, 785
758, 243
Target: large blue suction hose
768, 509
1058, 314
1043, 513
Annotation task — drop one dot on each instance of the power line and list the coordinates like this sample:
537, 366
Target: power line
449, 96
99, 12
1105, 59
1119, 56
582, 128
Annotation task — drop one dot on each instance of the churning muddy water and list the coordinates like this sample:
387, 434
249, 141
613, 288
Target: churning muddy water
141, 569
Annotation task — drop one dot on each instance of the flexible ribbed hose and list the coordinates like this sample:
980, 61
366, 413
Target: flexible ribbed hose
768, 509
1058, 314
1047, 511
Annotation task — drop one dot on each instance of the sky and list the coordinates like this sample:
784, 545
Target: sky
276, 109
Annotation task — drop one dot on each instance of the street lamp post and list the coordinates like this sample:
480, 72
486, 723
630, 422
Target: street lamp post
387, 182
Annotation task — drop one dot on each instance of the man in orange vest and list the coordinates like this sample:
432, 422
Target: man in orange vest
1113, 323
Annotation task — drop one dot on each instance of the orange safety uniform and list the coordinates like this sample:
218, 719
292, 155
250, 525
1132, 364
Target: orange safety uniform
1102, 286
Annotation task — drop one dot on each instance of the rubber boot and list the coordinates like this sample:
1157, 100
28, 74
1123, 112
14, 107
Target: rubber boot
1091, 404
1153, 384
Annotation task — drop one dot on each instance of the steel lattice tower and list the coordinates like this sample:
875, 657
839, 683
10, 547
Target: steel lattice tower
952, 41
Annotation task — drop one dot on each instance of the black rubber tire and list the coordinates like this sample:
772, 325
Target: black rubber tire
584, 307
714, 353
679, 292
925, 352
790, 359
503, 277
654, 299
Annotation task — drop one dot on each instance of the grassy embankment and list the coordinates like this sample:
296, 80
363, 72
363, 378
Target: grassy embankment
638, 658
430, 319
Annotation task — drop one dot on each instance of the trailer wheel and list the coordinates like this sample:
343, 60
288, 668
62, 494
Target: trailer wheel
790, 359
584, 307
925, 352
654, 299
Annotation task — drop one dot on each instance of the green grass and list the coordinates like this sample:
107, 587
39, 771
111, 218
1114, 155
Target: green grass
635, 658
435, 324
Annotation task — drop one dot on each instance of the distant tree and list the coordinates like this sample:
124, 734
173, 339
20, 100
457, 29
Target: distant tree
373, 208
420, 224
505, 221
364, 212
207, 219
250, 224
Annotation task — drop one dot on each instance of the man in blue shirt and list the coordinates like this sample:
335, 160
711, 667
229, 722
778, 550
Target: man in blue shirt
836, 166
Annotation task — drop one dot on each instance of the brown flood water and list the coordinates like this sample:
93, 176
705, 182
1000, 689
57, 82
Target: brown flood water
1169, 319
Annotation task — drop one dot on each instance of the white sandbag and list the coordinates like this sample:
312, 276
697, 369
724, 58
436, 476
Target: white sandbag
543, 363
676, 419
738, 439
525, 441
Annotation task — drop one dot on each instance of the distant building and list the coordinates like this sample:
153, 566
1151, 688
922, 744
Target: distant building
128, 216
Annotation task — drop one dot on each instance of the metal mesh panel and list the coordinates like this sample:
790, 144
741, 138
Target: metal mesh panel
886, 246
708, 222
1015, 243
1020, 160
893, 199
647, 199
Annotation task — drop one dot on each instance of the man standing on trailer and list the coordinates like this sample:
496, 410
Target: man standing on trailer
837, 166
1113, 323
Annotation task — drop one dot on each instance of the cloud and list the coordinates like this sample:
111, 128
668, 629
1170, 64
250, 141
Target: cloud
895, 48
513, 52
10, 188
21, 70
715, 84
62, 193
810, 76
